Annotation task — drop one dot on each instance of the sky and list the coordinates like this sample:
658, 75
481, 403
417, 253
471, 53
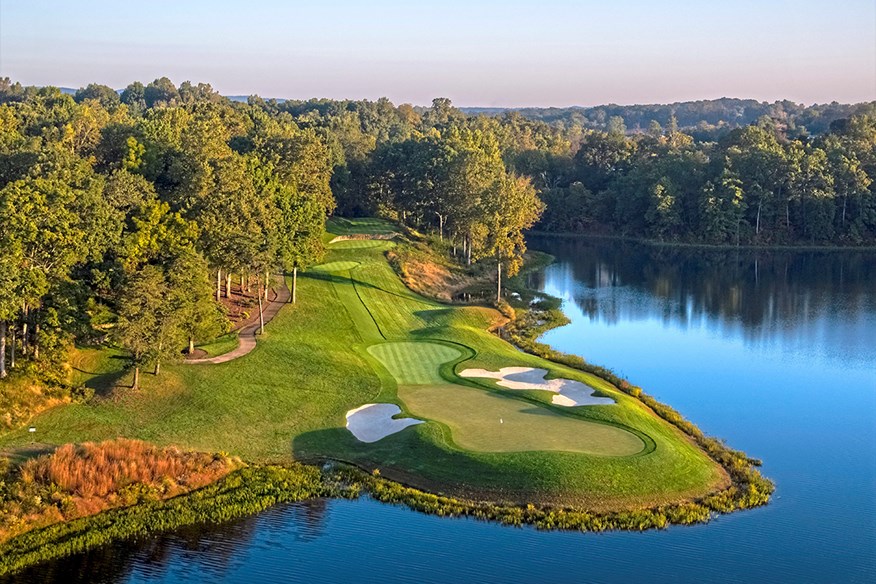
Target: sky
509, 53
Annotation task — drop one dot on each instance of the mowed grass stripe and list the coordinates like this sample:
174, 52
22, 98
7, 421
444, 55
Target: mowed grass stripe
414, 363
363, 225
362, 244
338, 266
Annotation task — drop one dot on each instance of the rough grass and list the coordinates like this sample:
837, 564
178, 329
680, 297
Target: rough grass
289, 396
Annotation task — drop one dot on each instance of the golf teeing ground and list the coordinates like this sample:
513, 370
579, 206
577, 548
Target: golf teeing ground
357, 342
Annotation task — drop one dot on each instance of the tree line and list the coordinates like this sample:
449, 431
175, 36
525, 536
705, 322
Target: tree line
705, 118
128, 214
765, 183
754, 186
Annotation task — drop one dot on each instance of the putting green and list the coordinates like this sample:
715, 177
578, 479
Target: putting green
338, 266
488, 422
362, 244
412, 363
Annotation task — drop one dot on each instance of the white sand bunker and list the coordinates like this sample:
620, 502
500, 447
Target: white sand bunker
570, 393
371, 422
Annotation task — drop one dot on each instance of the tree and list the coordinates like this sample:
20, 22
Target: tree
190, 296
160, 91
10, 301
663, 215
143, 319
134, 95
510, 207
106, 96
296, 181
723, 209
238, 225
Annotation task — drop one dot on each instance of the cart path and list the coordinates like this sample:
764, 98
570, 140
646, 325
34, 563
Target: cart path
247, 335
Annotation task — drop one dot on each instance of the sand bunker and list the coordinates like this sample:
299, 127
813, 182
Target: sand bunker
371, 422
570, 393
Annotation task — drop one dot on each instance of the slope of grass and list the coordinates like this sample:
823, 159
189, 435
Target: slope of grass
323, 357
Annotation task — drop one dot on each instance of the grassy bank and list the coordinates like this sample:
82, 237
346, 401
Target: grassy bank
244, 492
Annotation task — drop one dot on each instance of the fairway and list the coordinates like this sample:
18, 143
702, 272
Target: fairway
362, 244
335, 266
488, 422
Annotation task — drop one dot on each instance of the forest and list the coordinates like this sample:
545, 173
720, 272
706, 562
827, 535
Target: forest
705, 118
125, 216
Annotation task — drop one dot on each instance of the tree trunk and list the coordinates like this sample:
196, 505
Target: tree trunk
12, 348
499, 282
468, 251
845, 198
267, 283
136, 384
294, 284
757, 227
218, 284
2, 349
36, 340
440, 226
241, 283
228, 284
261, 316
24, 339
191, 344
158, 361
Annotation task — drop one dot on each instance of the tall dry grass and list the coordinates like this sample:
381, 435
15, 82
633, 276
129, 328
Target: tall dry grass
77, 480
100, 469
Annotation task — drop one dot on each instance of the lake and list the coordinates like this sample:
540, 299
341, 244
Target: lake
774, 351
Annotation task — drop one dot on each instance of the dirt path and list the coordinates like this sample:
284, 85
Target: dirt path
247, 335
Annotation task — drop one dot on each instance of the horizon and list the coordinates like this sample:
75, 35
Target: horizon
487, 54
119, 90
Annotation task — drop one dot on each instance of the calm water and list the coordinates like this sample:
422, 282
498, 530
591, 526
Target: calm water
775, 352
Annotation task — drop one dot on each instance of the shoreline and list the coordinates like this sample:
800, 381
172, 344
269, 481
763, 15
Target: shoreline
705, 246
746, 489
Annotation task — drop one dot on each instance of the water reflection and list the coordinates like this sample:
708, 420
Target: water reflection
204, 553
800, 300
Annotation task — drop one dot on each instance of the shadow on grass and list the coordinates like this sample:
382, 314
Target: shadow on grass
335, 278
415, 457
104, 382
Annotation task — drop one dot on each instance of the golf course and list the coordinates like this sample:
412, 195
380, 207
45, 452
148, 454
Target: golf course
357, 336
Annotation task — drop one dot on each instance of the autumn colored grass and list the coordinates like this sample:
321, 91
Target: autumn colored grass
78, 480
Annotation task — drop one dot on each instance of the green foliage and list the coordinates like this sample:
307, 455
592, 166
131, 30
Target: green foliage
244, 492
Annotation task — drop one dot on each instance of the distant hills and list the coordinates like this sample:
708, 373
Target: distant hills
703, 115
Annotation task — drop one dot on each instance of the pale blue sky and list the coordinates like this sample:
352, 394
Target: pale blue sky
489, 53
